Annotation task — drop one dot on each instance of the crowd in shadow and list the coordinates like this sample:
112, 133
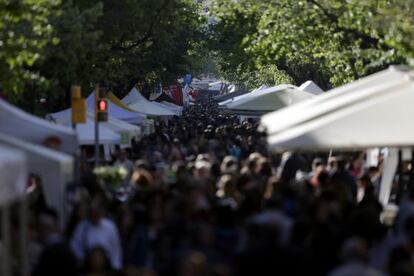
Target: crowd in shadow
207, 198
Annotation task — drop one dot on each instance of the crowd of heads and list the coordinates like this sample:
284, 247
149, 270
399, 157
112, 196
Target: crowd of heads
207, 198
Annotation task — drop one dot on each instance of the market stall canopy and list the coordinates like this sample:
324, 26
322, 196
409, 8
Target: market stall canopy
125, 130
13, 171
132, 97
375, 111
141, 104
235, 96
163, 97
267, 100
229, 96
20, 124
86, 133
170, 106
133, 117
111, 96
311, 87
55, 170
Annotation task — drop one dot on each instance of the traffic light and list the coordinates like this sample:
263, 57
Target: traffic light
101, 114
78, 106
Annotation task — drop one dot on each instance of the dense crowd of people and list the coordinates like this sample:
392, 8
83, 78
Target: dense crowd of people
206, 198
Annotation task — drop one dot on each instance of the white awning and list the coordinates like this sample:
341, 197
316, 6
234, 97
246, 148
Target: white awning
137, 102
13, 171
20, 124
117, 112
54, 168
311, 87
267, 100
375, 111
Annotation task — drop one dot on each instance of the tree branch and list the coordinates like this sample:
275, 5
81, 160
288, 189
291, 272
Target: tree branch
148, 34
367, 40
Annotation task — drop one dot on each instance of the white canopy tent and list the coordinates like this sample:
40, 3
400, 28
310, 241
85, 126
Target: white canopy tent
372, 112
137, 102
231, 97
19, 124
375, 111
13, 169
126, 130
170, 106
132, 97
54, 168
311, 87
86, 134
266, 100
117, 112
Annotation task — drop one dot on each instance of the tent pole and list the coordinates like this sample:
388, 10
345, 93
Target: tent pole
411, 181
96, 143
330, 154
23, 240
5, 227
399, 172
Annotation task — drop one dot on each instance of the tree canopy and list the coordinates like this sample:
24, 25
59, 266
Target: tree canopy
48, 45
329, 41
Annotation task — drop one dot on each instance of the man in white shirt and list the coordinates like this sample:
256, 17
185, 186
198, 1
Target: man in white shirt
97, 231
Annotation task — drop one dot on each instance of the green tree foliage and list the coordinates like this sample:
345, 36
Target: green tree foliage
73, 59
25, 30
47, 45
329, 41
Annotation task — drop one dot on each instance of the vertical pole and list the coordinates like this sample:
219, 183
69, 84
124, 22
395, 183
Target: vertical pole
96, 128
330, 154
411, 182
77, 161
5, 227
23, 240
96, 143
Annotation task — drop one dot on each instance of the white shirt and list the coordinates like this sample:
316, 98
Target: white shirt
105, 235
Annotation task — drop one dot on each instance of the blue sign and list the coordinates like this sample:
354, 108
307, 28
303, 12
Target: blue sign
187, 78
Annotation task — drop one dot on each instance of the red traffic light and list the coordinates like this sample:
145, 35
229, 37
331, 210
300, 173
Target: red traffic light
102, 105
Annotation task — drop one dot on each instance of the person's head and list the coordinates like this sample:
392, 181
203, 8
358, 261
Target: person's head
202, 169
53, 142
365, 182
332, 163
318, 163
263, 167
48, 224
229, 165
141, 164
142, 179
373, 171
341, 163
194, 264
122, 155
